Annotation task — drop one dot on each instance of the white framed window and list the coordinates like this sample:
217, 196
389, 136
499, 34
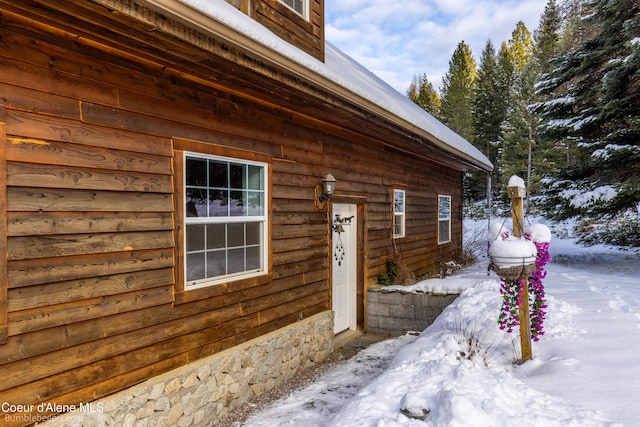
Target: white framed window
399, 209
444, 219
301, 7
225, 205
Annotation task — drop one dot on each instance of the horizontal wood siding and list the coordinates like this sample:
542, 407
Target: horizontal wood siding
306, 34
91, 168
4, 280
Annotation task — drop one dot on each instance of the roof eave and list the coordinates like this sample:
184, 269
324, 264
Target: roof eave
209, 25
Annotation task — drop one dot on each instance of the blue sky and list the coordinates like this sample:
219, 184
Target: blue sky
398, 39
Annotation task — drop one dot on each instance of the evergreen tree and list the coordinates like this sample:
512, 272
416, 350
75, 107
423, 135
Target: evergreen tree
597, 105
422, 93
489, 106
573, 32
517, 130
457, 91
547, 37
541, 156
521, 155
505, 85
521, 47
506, 75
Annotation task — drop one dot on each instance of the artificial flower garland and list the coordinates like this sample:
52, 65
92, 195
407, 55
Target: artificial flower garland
512, 290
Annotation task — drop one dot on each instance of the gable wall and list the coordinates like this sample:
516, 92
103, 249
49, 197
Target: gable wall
306, 34
92, 139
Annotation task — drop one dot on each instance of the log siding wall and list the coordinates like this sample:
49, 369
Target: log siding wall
306, 34
90, 141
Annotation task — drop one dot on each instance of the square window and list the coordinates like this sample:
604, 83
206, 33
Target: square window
225, 219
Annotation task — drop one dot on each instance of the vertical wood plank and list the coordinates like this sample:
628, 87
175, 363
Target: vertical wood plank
4, 282
178, 202
516, 194
245, 7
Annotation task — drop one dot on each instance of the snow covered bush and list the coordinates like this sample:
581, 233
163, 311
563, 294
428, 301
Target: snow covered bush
449, 268
623, 230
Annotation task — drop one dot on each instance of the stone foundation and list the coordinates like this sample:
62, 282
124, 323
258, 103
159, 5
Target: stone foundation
205, 390
394, 313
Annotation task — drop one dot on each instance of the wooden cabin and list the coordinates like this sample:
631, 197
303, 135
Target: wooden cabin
162, 194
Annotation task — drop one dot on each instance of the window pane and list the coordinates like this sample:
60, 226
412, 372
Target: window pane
195, 266
253, 258
444, 207
196, 173
218, 203
195, 238
254, 234
256, 203
237, 206
256, 180
218, 174
297, 5
397, 225
236, 260
195, 202
398, 201
215, 236
235, 235
216, 263
237, 176
443, 231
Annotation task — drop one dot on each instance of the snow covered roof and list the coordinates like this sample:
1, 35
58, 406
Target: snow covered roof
338, 72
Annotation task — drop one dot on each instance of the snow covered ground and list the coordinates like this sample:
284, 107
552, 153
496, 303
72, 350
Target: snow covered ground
585, 371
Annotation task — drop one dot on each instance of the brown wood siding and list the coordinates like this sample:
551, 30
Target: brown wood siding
4, 280
91, 169
305, 34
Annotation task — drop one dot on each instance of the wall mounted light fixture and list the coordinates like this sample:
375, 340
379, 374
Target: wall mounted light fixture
329, 184
325, 192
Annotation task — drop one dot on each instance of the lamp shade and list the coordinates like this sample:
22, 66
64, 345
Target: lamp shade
329, 183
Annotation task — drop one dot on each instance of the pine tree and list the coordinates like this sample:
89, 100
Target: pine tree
596, 104
542, 157
547, 37
457, 91
521, 47
518, 140
489, 108
520, 147
422, 93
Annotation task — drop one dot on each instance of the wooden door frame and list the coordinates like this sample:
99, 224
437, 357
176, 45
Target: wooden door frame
361, 264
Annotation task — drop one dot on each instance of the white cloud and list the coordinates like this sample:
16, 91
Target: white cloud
398, 40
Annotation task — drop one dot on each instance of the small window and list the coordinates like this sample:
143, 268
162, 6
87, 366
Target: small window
398, 213
225, 219
299, 6
444, 219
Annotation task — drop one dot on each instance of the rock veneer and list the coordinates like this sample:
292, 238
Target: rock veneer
207, 389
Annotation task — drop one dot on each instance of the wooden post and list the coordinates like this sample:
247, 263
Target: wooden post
516, 194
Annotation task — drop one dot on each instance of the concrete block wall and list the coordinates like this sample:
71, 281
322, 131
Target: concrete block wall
200, 393
395, 313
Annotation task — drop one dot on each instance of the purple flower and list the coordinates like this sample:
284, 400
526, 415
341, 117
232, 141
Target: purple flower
512, 290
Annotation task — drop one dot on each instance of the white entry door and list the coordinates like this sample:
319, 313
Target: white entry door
344, 254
